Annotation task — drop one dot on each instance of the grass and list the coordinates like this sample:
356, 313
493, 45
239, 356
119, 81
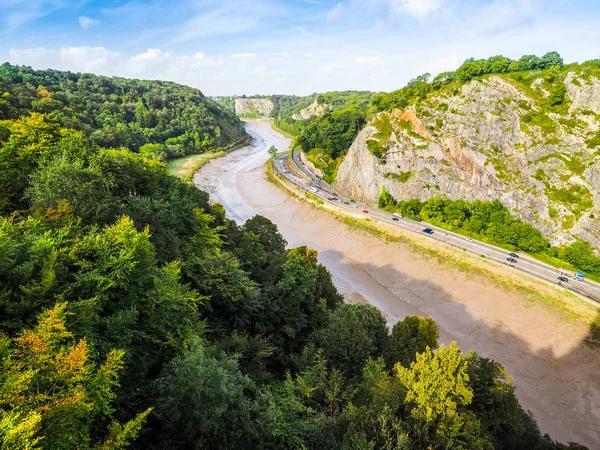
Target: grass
186, 166
281, 131
401, 177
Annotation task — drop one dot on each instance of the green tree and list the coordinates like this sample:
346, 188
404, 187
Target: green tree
355, 333
272, 151
53, 396
204, 402
437, 394
409, 337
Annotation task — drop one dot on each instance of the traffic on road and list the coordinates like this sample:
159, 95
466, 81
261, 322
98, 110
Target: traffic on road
295, 171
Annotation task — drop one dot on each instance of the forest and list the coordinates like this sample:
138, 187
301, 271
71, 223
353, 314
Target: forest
153, 117
134, 314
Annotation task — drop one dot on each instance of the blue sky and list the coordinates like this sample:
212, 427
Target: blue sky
289, 46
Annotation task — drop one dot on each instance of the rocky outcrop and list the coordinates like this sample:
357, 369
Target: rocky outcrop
313, 110
254, 107
490, 140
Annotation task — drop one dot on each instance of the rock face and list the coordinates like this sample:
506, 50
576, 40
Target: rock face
490, 140
254, 107
313, 110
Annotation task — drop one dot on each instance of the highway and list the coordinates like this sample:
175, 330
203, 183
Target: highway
298, 174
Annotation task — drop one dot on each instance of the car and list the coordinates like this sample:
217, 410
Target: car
395, 219
579, 276
428, 231
470, 239
563, 279
334, 194
356, 206
365, 211
511, 260
513, 255
330, 199
346, 203
312, 189
352, 201
398, 215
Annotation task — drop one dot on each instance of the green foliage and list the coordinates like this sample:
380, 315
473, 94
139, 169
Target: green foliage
333, 132
401, 177
115, 112
233, 339
386, 201
409, 337
204, 401
354, 334
51, 394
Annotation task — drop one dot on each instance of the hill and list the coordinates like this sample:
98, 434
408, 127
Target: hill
170, 119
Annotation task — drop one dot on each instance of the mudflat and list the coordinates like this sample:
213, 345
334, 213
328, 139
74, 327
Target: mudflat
556, 375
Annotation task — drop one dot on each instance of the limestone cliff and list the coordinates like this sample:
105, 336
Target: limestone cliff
253, 107
491, 139
313, 110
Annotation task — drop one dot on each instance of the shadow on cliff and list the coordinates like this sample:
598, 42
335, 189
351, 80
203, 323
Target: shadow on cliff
562, 391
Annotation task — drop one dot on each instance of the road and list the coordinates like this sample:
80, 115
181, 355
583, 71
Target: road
297, 173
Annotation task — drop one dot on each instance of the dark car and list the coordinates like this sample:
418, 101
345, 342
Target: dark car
352, 201
428, 231
395, 219
511, 260
346, 203
513, 255
563, 279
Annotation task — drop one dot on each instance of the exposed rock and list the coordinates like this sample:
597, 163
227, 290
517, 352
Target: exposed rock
477, 145
313, 110
255, 107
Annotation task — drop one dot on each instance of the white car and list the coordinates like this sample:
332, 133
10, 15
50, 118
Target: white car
470, 239
398, 215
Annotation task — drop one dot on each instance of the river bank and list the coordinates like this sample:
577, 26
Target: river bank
555, 374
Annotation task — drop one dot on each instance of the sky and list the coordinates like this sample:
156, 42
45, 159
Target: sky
234, 47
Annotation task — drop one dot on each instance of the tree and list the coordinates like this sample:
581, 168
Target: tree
203, 401
437, 394
354, 334
272, 151
550, 59
51, 394
409, 337
468, 70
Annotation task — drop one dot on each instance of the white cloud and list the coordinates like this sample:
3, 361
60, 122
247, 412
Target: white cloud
444, 64
335, 12
501, 15
418, 8
87, 22
243, 55
366, 59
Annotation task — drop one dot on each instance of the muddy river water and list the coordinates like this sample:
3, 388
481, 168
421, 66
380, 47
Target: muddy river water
557, 377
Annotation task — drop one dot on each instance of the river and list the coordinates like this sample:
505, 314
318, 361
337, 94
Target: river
557, 377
